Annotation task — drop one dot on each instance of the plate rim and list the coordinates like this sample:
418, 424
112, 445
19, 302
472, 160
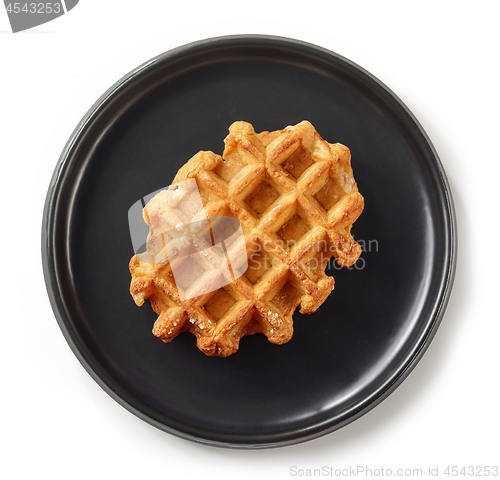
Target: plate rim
52, 282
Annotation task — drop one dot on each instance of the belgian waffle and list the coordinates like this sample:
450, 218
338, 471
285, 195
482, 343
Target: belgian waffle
296, 199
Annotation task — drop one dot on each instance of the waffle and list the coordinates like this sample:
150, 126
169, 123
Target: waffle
296, 199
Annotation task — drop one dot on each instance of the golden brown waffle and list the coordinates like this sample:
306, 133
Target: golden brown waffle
296, 199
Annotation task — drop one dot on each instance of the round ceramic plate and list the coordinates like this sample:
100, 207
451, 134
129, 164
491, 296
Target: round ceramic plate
342, 360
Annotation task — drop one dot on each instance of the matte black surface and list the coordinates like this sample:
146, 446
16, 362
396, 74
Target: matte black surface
343, 359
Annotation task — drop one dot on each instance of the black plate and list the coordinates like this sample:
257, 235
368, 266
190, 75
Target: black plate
342, 360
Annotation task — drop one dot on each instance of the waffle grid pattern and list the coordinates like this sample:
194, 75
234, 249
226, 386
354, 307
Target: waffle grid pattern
296, 199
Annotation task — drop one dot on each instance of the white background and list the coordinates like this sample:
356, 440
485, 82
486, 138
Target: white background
440, 58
